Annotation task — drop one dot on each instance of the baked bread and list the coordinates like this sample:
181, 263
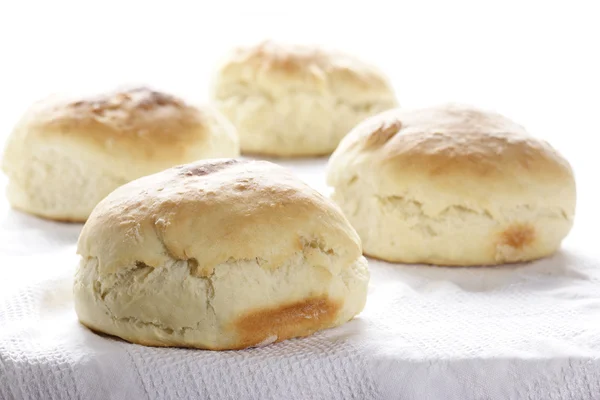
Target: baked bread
293, 101
218, 254
452, 185
63, 157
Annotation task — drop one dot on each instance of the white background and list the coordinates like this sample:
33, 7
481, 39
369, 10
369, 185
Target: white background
536, 62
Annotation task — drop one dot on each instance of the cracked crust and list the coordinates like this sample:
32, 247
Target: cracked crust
220, 254
452, 185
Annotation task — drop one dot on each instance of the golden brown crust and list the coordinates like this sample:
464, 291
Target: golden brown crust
454, 147
325, 321
518, 236
139, 120
193, 210
465, 140
286, 321
381, 135
278, 66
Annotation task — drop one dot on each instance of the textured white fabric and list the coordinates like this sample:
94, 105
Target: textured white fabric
513, 332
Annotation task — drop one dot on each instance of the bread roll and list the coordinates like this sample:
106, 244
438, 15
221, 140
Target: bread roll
218, 254
291, 101
63, 157
452, 185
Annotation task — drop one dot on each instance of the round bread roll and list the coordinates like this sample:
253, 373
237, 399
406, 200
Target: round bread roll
219, 254
289, 101
452, 185
63, 157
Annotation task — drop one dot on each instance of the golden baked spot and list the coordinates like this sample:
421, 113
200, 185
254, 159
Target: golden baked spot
384, 133
140, 97
286, 321
137, 122
518, 236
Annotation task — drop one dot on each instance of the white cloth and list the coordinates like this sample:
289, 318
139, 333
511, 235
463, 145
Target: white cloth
513, 332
